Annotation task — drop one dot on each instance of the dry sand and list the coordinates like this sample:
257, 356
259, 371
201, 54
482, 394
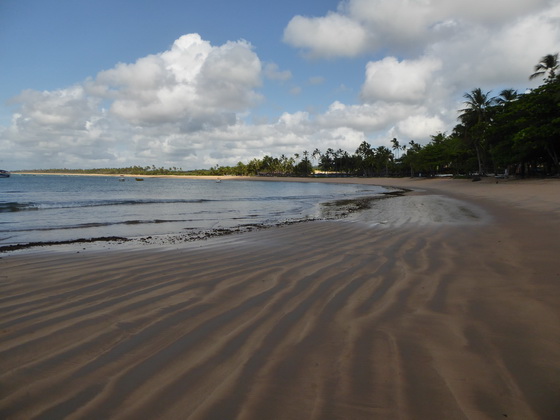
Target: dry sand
442, 304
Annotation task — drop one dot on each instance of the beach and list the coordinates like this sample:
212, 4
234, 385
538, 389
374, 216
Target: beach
443, 303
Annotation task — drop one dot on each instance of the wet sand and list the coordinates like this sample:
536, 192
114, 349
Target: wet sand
441, 304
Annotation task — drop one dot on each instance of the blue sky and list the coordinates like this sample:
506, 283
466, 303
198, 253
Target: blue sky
203, 82
50, 44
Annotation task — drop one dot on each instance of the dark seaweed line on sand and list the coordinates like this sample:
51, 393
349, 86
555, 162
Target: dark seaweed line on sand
364, 203
16, 247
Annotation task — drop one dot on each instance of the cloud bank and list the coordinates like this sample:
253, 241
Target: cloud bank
190, 106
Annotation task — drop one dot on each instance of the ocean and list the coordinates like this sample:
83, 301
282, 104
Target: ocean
58, 208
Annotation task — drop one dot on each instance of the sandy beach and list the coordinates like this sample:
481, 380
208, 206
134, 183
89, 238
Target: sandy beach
443, 303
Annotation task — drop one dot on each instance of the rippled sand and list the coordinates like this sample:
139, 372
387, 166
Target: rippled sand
441, 304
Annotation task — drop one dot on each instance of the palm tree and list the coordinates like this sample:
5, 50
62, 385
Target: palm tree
366, 158
396, 146
316, 154
412, 155
383, 156
364, 150
507, 95
477, 102
327, 159
548, 64
475, 118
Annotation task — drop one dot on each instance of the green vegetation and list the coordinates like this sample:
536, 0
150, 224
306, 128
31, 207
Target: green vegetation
515, 133
132, 170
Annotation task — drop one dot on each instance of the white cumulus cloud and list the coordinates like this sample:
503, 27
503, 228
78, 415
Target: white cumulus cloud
272, 72
399, 81
401, 26
138, 111
193, 80
330, 36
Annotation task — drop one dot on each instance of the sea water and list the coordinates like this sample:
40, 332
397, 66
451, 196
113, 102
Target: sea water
52, 208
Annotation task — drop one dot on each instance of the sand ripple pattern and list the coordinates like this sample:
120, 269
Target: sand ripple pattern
325, 320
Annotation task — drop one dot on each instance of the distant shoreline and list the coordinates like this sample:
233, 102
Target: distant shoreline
121, 175
396, 182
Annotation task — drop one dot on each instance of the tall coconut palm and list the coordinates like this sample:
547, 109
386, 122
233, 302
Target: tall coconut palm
316, 154
475, 118
507, 95
477, 103
383, 156
396, 147
548, 65
364, 150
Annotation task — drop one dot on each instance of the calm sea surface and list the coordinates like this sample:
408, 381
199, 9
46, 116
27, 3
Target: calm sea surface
45, 208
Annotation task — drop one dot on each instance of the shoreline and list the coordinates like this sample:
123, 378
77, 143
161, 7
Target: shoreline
332, 210
487, 189
411, 319
337, 210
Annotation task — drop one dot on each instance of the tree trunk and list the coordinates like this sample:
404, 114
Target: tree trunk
480, 169
554, 156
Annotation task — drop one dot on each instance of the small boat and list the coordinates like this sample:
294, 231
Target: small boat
4, 174
139, 179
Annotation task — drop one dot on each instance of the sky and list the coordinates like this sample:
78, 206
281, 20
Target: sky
193, 84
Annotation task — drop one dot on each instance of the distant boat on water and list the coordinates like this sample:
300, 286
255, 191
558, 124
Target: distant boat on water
139, 179
4, 174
